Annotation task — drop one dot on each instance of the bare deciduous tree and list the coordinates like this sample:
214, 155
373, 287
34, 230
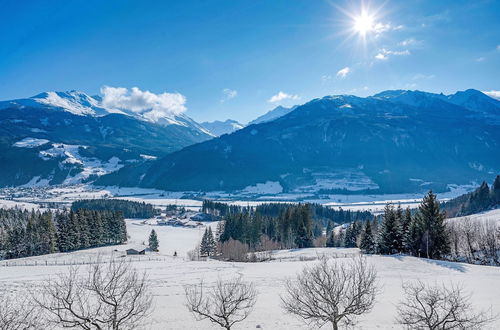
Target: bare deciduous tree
233, 250
226, 303
438, 308
17, 312
475, 241
332, 291
109, 295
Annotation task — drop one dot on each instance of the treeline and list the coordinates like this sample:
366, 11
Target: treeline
292, 228
130, 209
319, 213
423, 234
31, 233
481, 199
222, 209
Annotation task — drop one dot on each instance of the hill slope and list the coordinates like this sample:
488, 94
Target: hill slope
346, 144
68, 137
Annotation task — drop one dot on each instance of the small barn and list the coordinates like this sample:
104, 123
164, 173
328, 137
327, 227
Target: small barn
135, 252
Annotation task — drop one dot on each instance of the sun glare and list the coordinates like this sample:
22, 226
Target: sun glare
363, 23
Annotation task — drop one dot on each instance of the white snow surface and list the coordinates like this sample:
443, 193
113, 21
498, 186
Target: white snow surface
487, 217
90, 166
30, 142
269, 187
168, 276
69, 104
10, 204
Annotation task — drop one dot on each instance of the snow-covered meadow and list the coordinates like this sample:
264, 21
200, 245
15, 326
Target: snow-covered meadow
168, 275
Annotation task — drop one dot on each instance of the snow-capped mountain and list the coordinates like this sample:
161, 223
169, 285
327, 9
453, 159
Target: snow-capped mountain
81, 104
69, 137
273, 114
393, 142
218, 128
471, 99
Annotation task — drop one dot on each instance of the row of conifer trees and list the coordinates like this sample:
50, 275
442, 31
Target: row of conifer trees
30, 233
423, 233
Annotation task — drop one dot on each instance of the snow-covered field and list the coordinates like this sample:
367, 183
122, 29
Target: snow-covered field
5, 203
490, 217
66, 194
168, 275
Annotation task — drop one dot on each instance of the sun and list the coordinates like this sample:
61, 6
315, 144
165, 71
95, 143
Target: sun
363, 23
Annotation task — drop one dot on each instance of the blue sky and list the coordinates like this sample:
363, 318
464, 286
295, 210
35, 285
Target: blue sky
231, 59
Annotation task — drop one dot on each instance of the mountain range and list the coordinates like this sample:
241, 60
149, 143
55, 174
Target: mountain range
70, 137
392, 142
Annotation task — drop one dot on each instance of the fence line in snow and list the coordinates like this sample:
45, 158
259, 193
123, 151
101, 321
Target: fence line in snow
34, 263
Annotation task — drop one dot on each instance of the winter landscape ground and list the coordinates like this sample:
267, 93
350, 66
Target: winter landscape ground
167, 276
284, 149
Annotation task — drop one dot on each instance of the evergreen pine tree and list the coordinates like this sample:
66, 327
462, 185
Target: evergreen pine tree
414, 237
153, 241
329, 227
405, 229
434, 237
330, 241
205, 245
367, 243
351, 234
495, 191
480, 199
390, 237
211, 243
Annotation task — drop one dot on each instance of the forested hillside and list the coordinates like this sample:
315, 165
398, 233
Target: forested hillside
481, 199
30, 233
129, 209
319, 213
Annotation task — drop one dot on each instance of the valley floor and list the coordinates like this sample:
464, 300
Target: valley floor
168, 275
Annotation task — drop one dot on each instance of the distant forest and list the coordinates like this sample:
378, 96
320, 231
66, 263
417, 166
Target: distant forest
481, 199
30, 233
130, 209
320, 214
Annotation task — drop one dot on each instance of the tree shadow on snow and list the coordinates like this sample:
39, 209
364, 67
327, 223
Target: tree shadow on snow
447, 264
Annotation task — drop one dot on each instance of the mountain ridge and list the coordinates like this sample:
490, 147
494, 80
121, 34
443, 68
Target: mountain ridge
344, 143
83, 139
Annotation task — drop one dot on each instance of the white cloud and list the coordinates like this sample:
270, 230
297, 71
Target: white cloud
410, 42
498, 47
480, 59
493, 94
282, 96
342, 73
149, 104
378, 28
384, 53
228, 94
420, 76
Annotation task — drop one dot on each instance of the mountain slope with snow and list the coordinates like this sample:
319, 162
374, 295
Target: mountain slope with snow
99, 140
347, 144
218, 128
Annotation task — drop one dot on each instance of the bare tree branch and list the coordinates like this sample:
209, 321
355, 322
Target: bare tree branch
226, 303
110, 295
332, 291
17, 312
438, 308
